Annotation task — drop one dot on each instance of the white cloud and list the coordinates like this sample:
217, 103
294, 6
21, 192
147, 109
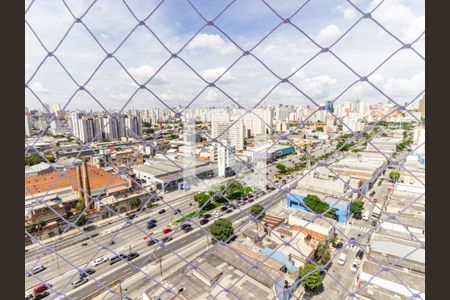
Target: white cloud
315, 86
211, 95
212, 42
213, 74
38, 87
405, 87
348, 12
143, 73
328, 35
399, 19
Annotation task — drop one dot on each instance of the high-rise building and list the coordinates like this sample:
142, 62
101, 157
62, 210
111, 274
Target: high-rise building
223, 128
75, 117
28, 125
56, 108
422, 106
133, 126
90, 129
226, 158
114, 127
330, 107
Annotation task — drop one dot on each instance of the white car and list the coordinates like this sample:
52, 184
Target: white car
342, 258
99, 261
355, 265
36, 270
28, 296
80, 281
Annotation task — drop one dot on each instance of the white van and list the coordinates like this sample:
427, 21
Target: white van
366, 215
342, 258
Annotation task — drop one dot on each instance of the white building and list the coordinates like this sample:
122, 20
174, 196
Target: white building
28, 125
114, 127
223, 128
133, 126
226, 158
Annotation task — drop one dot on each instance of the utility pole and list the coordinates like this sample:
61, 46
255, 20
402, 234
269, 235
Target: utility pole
160, 268
120, 289
57, 263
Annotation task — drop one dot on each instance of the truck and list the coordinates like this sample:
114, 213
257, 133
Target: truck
376, 213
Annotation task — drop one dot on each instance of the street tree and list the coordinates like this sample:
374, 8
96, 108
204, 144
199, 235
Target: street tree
394, 176
356, 208
136, 203
318, 206
221, 229
322, 254
81, 220
257, 211
281, 168
313, 280
202, 200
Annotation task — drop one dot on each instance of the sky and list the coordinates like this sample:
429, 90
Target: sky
279, 51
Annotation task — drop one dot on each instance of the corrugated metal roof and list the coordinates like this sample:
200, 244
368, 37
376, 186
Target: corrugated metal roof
399, 250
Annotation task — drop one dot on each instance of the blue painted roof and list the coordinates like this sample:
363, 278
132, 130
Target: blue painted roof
281, 257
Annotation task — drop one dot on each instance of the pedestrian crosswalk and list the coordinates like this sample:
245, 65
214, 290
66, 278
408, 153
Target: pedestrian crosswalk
362, 228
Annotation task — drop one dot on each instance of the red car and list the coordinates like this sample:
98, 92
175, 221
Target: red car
42, 287
166, 230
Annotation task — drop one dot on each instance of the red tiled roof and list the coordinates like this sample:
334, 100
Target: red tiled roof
97, 178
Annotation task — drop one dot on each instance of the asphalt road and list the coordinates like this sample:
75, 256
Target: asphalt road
181, 239
78, 255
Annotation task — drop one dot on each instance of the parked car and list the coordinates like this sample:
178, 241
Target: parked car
152, 242
188, 229
355, 265
132, 256
98, 261
372, 194
41, 295
40, 288
204, 221
28, 296
166, 239
84, 243
360, 254
206, 216
223, 208
152, 221
166, 230
185, 225
342, 258
112, 242
76, 283
117, 258
229, 211
339, 245
250, 200
87, 272
36, 270
161, 211
374, 223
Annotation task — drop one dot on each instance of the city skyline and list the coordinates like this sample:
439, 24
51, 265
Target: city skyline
211, 52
